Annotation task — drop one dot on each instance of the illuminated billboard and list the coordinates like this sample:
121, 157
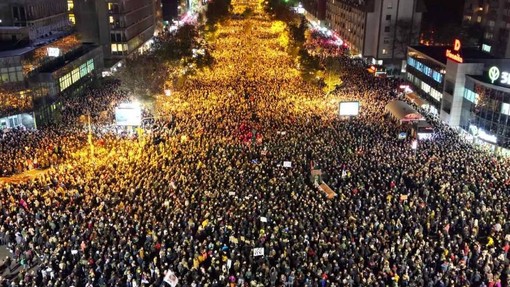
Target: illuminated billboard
53, 52
349, 108
128, 114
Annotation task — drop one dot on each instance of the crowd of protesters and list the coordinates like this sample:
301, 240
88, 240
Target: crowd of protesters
23, 149
196, 194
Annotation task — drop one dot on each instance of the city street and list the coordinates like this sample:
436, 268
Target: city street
217, 190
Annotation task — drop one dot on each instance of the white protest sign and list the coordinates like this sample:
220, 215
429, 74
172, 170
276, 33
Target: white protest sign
287, 164
263, 219
258, 251
231, 193
170, 278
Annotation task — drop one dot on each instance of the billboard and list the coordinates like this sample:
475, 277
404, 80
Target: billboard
128, 114
349, 108
53, 52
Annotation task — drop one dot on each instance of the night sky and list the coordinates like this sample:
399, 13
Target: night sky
442, 12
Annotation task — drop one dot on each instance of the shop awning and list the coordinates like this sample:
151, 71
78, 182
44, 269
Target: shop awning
402, 111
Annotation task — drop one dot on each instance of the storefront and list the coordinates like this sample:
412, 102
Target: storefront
486, 111
63, 77
425, 72
469, 88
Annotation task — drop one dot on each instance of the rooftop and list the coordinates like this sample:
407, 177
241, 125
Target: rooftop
61, 61
58, 39
438, 53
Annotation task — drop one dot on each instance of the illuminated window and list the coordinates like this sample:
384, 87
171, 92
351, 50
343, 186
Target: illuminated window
505, 109
384, 52
90, 65
125, 47
65, 82
83, 70
110, 6
471, 96
479, 19
111, 19
114, 47
72, 19
425, 87
75, 75
70, 5
435, 94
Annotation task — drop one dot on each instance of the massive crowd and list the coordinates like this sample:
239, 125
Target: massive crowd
194, 195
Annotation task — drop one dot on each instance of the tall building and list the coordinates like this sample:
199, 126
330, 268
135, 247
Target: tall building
466, 88
40, 60
121, 27
316, 8
493, 22
35, 18
379, 30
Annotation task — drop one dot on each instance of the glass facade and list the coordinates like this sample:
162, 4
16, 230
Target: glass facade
75, 75
486, 114
427, 79
424, 69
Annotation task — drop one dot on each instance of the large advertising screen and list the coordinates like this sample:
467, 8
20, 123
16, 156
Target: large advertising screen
349, 108
128, 115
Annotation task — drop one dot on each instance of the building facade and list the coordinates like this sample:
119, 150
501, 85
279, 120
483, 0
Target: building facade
316, 8
486, 109
41, 17
32, 79
468, 89
379, 30
490, 19
427, 75
121, 27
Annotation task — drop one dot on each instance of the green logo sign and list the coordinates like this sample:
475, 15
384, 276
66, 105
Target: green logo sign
494, 73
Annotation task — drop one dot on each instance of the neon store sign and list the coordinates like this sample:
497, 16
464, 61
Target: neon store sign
455, 54
496, 75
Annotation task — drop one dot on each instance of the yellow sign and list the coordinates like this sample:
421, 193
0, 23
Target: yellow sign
455, 54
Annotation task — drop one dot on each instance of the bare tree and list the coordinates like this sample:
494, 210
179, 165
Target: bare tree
143, 75
405, 35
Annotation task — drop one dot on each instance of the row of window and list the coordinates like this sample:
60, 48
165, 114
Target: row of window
118, 49
489, 100
75, 75
435, 94
11, 74
471, 96
427, 71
